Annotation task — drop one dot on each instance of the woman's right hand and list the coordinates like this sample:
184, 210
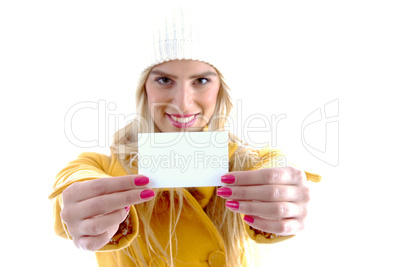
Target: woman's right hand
93, 210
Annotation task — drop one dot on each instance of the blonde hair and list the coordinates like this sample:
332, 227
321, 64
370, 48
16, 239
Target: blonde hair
229, 224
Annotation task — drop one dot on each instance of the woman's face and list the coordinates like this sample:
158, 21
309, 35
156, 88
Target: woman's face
182, 94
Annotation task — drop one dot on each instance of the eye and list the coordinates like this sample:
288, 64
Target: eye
201, 81
164, 80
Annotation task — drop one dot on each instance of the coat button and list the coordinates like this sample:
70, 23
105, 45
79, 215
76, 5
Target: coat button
162, 205
217, 259
158, 262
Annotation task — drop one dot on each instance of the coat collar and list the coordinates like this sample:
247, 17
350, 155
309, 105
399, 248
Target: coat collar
202, 194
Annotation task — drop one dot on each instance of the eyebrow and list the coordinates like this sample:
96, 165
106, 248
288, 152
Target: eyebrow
202, 74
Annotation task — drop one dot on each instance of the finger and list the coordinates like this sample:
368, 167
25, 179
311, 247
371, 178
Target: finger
279, 227
285, 175
100, 224
268, 210
93, 243
85, 190
108, 203
278, 193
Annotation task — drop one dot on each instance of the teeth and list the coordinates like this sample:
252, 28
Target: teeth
182, 120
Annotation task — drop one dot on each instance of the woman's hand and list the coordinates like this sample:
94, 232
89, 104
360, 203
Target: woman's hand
93, 210
274, 200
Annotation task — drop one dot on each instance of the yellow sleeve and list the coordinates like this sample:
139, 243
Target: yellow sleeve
271, 158
87, 166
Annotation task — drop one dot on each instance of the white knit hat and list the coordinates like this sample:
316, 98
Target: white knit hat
182, 31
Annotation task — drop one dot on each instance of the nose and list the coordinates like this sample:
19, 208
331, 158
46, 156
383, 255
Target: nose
183, 97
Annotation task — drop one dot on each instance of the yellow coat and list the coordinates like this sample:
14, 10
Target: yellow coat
199, 242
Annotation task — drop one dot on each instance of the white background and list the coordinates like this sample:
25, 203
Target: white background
288, 57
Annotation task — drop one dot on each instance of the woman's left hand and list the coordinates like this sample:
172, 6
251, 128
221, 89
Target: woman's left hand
274, 200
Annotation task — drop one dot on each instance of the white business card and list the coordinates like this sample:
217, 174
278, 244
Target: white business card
183, 159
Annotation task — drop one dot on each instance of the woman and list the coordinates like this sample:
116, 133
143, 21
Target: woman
103, 202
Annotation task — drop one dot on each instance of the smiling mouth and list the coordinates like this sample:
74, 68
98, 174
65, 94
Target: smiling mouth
182, 121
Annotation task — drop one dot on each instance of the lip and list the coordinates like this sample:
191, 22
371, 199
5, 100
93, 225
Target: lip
182, 115
182, 125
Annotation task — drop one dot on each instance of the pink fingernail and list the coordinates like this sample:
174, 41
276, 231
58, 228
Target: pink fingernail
148, 193
140, 181
228, 179
234, 205
248, 219
224, 192
127, 208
